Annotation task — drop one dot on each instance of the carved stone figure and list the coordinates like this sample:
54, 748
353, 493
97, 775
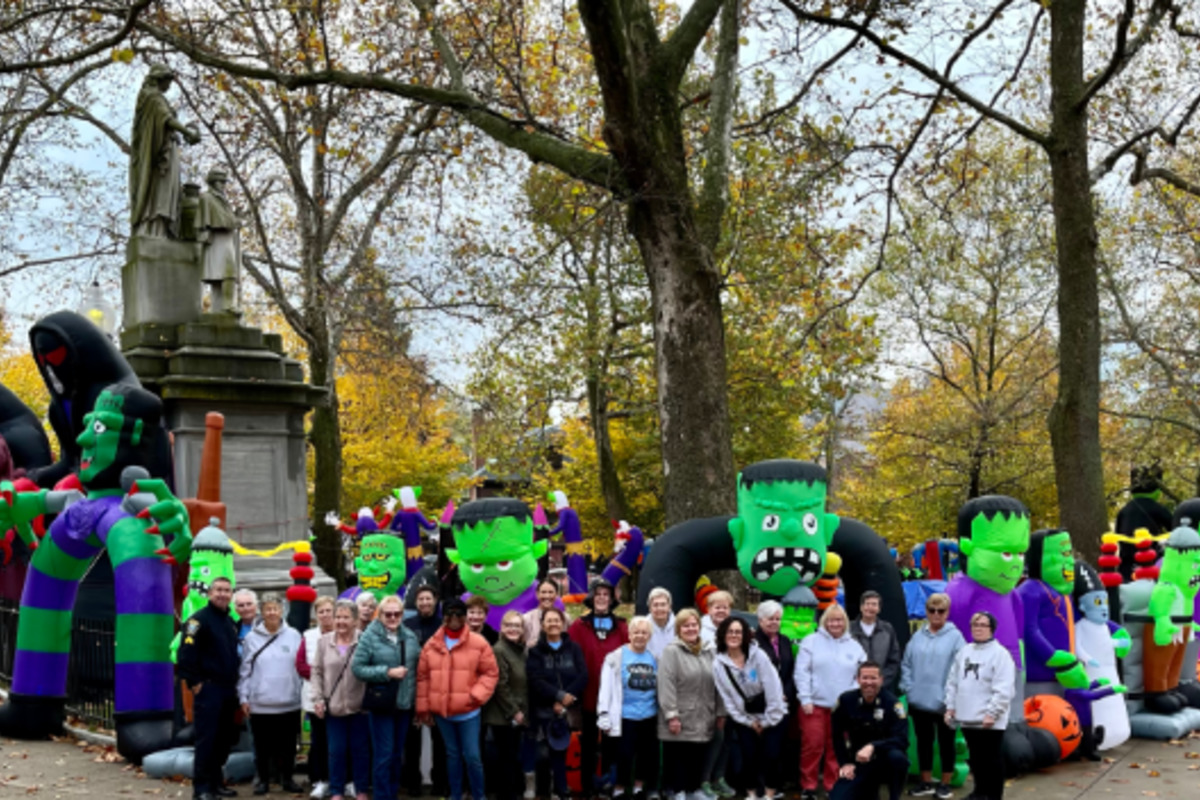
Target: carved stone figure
154, 184
217, 226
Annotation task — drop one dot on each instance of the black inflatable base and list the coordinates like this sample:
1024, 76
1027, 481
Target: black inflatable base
1027, 749
25, 716
140, 734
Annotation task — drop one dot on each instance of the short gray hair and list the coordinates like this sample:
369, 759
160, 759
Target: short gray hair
346, 604
272, 597
365, 597
659, 591
245, 593
640, 623
768, 609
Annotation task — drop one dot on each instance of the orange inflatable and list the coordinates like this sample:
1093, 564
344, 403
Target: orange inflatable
1058, 717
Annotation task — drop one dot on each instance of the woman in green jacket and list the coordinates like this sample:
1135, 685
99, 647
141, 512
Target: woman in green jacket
388, 651
508, 711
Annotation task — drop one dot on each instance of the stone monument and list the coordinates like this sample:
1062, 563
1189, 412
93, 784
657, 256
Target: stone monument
201, 361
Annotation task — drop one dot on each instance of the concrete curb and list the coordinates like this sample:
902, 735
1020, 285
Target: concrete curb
83, 734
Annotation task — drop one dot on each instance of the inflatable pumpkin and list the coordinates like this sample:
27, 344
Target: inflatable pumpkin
1056, 716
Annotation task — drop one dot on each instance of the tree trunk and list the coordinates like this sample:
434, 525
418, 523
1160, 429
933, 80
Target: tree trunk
1074, 420
326, 438
615, 504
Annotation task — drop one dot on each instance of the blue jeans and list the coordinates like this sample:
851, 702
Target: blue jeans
387, 737
348, 737
462, 749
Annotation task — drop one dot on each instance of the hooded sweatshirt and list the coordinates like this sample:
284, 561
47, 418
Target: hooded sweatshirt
826, 667
268, 680
926, 665
982, 683
661, 637
757, 676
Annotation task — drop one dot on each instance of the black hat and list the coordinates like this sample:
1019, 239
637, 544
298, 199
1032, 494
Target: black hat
600, 583
454, 606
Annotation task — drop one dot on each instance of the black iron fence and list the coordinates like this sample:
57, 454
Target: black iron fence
91, 676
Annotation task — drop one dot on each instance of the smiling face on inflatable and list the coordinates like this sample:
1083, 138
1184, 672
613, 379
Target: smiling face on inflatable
1051, 559
994, 535
381, 564
495, 552
781, 531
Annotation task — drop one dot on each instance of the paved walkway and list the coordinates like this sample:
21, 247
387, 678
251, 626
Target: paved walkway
68, 769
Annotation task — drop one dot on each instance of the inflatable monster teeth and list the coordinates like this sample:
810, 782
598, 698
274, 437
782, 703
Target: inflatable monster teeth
770, 560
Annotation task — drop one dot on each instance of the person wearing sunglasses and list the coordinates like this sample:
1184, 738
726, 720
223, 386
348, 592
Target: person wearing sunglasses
386, 657
456, 677
923, 672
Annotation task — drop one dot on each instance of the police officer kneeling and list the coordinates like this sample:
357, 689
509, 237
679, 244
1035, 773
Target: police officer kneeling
870, 737
208, 661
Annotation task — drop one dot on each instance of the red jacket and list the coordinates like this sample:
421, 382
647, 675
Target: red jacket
458, 681
594, 650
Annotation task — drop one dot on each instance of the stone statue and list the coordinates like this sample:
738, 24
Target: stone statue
217, 227
154, 185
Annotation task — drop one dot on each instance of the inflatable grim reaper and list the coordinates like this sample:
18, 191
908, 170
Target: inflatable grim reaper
781, 541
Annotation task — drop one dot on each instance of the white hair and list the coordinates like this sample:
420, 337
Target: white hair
768, 609
659, 591
246, 593
641, 623
365, 597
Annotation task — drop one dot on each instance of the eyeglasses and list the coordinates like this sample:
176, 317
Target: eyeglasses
937, 610
391, 614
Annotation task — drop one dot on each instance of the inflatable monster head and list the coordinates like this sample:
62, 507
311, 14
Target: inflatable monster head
1051, 559
781, 532
1091, 598
381, 563
993, 534
1181, 563
212, 558
496, 554
122, 430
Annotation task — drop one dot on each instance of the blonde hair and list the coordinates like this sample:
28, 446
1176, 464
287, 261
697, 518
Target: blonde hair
638, 623
938, 600
720, 597
683, 615
514, 613
322, 601
833, 611
390, 600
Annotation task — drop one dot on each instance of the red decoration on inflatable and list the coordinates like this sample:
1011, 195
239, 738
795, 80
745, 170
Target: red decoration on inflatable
1058, 717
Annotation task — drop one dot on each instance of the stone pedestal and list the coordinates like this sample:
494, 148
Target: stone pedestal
216, 364
160, 283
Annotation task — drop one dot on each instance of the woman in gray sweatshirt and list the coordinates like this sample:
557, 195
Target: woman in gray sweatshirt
978, 692
923, 674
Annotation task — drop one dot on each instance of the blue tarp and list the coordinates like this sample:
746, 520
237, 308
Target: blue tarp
915, 595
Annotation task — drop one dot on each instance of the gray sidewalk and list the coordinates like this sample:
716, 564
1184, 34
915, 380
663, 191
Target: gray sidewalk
66, 769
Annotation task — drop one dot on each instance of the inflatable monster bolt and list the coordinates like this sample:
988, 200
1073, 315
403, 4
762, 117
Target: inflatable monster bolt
120, 433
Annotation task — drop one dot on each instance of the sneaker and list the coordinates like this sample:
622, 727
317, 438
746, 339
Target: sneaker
724, 789
350, 787
944, 792
530, 786
320, 789
923, 789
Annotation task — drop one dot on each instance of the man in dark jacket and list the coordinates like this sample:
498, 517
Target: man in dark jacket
208, 661
870, 738
878, 639
425, 624
597, 634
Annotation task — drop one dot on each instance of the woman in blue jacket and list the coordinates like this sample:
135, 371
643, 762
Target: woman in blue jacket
923, 671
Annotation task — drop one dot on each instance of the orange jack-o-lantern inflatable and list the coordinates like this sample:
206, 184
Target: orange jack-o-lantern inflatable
1056, 716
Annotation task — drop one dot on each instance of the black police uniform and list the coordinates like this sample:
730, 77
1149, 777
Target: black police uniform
209, 655
882, 723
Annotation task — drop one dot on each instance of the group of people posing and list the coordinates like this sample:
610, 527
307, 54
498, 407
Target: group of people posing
672, 703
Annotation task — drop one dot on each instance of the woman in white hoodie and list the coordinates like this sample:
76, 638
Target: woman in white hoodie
825, 668
269, 689
978, 692
627, 709
753, 695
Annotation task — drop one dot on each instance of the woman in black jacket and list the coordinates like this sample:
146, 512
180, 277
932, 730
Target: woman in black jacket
557, 675
779, 649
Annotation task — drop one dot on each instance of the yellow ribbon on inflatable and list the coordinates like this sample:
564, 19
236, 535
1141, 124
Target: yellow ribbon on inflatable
298, 547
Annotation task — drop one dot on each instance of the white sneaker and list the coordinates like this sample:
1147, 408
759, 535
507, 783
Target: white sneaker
530, 785
350, 787
320, 789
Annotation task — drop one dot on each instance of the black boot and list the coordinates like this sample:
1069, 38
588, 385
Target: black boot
1165, 703
140, 733
1190, 692
29, 716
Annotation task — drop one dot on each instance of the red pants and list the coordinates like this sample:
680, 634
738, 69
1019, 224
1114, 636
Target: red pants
816, 740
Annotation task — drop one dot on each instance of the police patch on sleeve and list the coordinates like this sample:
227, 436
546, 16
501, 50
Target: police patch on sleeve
900, 712
193, 627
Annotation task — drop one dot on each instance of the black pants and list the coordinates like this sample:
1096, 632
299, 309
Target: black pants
591, 745
638, 747
682, 765
888, 768
412, 762
275, 745
216, 734
928, 725
508, 778
318, 749
760, 757
987, 763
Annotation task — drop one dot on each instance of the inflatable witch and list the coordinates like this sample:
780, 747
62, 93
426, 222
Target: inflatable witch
145, 529
409, 522
780, 541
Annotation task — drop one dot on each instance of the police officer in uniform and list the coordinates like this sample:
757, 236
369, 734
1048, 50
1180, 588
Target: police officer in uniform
870, 737
208, 661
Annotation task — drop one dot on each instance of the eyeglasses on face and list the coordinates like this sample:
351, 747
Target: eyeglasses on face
936, 610
391, 614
